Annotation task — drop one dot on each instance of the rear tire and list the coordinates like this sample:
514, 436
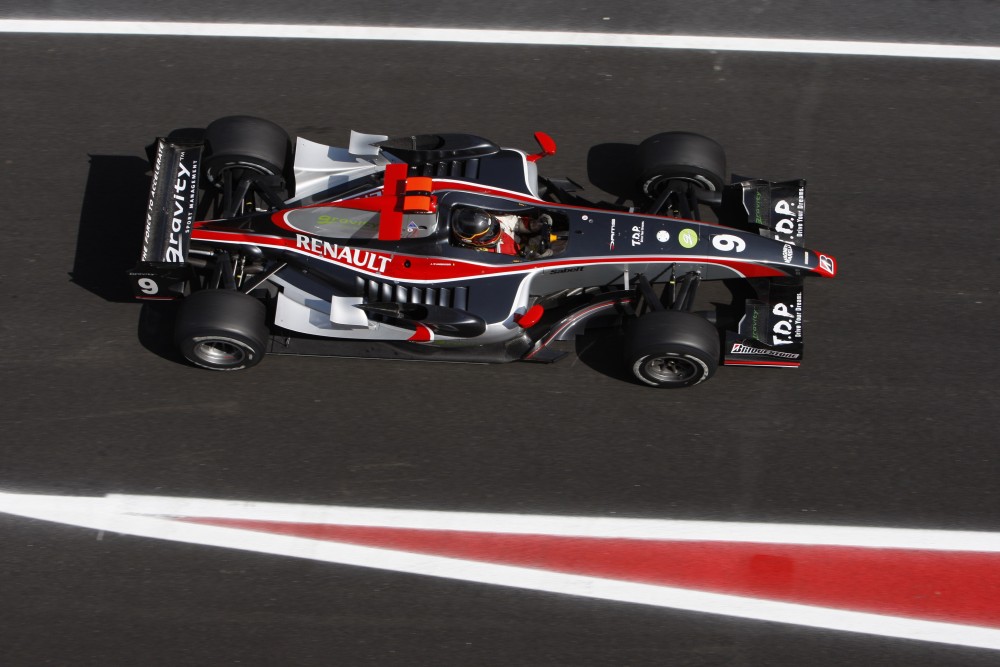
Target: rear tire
680, 156
245, 142
222, 330
671, 349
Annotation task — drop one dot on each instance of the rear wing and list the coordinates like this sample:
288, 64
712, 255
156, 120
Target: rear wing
770, 331
162, 271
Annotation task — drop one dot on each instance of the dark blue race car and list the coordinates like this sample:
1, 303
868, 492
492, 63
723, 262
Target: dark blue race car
447, 246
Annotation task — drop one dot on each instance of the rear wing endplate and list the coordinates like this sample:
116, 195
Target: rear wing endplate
162, 271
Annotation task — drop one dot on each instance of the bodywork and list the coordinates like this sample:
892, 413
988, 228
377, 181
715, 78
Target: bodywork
359, 261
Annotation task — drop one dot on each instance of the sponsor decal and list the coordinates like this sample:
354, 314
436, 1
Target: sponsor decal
570, 269
176, 203
743, 348
789, 227
663, 236
928, 585
357, 257
150, 207
611, 245
688, 238
184, 196
826, 263
638, 233
329, 220
787, 323
756, 325
786, 253
758, 211
333, 222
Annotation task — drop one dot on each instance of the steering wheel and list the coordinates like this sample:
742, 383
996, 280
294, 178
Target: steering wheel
538, 243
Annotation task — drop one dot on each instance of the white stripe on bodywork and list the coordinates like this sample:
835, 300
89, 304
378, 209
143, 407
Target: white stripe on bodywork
538, 267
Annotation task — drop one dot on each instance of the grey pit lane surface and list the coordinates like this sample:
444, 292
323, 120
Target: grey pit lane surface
888, 422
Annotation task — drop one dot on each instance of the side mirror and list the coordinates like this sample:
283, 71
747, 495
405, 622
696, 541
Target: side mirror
546, 143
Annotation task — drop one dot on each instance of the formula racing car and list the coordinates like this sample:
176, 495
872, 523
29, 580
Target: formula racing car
449, 247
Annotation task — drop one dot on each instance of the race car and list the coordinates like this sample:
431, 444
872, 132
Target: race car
450, 247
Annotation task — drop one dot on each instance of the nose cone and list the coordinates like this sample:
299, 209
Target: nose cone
826, 265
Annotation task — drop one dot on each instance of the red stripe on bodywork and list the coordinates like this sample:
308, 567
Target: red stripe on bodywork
960, 587
431, 269
421, 335
443, 185
390, 223
741, 362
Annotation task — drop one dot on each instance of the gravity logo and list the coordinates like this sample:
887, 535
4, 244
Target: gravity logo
930, 585
185, 194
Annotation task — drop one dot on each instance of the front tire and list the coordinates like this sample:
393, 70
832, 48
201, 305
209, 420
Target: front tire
684, 156
222, 330
671, 349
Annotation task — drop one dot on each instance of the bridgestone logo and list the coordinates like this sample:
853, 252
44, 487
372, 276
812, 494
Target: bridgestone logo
740, 348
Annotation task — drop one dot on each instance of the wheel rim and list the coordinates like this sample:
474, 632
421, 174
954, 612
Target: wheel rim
670, 369
657, 185
220, 352
216, 173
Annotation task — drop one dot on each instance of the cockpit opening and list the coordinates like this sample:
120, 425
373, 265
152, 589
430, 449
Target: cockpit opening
530, 233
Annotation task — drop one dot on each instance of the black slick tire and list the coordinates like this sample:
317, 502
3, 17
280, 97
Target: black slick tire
246, 142
671, 349
222, 330
680, 156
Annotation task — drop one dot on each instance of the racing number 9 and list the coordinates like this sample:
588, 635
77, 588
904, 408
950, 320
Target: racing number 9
728, 243
148, 286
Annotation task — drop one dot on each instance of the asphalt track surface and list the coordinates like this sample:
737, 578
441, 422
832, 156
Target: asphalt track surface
889, 422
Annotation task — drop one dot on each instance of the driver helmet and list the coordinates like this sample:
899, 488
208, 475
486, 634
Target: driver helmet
475, 228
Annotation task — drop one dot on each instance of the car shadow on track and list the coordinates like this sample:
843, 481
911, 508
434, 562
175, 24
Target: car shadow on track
610, 167
156, 329
109, 243
109, 239
601, 349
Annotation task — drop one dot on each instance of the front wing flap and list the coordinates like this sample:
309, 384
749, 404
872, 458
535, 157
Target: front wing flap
770, 332
774, 210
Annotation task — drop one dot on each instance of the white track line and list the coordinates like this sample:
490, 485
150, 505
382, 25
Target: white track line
125, 514
518, 524
534, 524
530, 37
